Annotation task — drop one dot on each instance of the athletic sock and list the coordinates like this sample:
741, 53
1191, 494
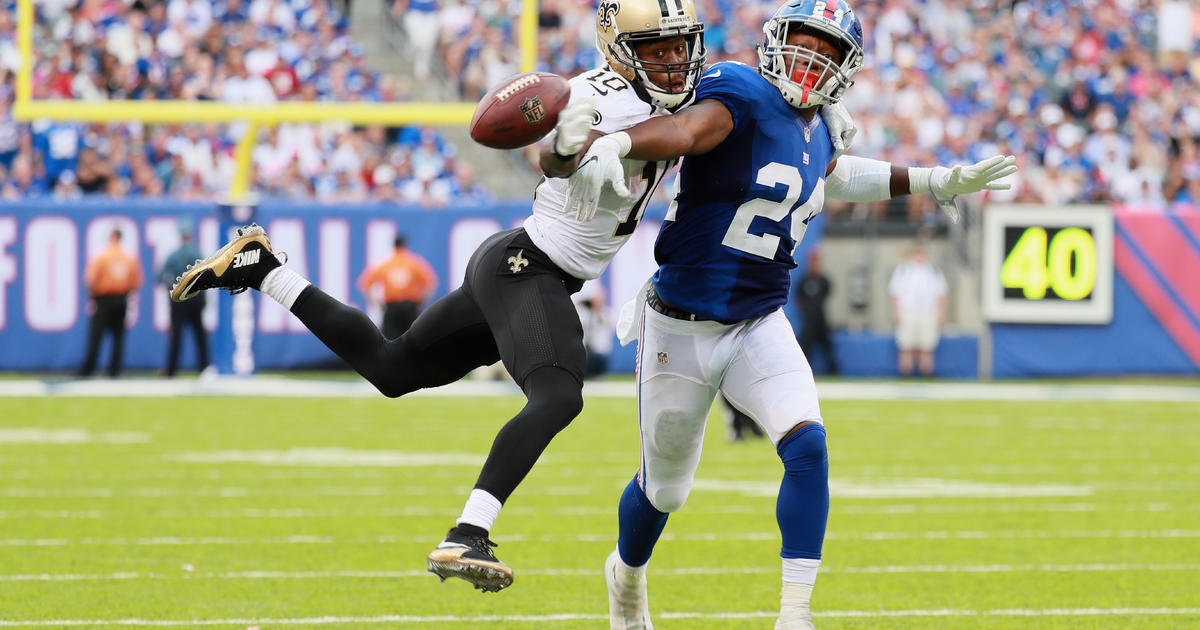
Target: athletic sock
481, 510
800, 570
284, 285
640, 526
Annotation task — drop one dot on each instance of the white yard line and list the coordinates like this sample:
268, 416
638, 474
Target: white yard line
275, 386
602, 538
892, 509
677, 571
846, 490
418, 619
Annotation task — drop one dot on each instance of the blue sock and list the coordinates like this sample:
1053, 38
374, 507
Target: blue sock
641, 525
802, 508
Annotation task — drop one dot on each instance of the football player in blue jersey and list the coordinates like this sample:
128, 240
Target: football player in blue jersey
758, 164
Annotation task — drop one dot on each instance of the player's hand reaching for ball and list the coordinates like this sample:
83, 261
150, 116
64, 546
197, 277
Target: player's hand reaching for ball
574, 123
600, 165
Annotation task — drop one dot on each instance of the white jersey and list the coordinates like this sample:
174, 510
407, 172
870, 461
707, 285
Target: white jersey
584, 248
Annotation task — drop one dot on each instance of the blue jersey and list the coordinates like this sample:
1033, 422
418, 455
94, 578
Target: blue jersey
725, 252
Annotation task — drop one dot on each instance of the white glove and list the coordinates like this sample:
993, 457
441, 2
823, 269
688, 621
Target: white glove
841, 127
574, 123
948, 183
599, 166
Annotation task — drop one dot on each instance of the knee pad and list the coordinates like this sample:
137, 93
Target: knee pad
669, 498
805, 449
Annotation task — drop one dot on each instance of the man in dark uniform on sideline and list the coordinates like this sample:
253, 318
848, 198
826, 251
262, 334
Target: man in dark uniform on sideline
184, 314
811, 294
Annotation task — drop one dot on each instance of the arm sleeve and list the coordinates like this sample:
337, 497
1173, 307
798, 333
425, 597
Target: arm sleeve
859, 179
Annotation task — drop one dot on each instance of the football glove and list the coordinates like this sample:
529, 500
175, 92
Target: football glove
599, 166
841, 127
948, 183
574, 123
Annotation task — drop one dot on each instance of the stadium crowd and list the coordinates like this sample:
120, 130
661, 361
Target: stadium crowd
260, 51
1099, 99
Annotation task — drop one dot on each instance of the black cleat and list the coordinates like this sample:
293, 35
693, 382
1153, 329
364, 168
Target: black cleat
241, 264
467, 553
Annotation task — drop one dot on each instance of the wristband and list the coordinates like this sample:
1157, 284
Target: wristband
919, 180
624, 142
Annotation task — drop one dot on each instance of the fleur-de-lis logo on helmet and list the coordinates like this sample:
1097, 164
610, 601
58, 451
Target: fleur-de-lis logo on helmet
605, 14
518, 262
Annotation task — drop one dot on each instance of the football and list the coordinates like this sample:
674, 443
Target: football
520, 111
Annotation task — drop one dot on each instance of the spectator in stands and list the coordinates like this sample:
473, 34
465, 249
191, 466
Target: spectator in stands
67, 187
110, 277
402, 282
184, 314
951, 75
92, 173
420, 18
22, 182
918, 292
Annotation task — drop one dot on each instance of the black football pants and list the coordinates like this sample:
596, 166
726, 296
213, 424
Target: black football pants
515, 306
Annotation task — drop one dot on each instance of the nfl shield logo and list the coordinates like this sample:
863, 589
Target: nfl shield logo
662, 358
533, 110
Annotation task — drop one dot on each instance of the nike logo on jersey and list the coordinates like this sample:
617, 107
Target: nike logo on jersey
712, 76
250, 257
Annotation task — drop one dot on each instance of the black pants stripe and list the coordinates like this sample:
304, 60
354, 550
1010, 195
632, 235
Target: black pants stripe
515, 306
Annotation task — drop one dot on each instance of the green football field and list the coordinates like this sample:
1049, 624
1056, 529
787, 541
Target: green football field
284, 512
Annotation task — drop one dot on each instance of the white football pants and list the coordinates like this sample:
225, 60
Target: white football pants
758, 366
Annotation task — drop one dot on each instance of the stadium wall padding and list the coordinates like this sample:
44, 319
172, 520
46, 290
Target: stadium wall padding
45, 245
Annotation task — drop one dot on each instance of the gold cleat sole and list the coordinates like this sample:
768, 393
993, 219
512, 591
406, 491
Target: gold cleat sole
489, 577
217, 263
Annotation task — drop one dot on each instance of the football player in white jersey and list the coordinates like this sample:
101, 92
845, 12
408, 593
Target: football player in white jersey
515, 301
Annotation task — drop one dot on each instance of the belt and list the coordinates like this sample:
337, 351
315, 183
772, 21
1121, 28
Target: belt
656, 303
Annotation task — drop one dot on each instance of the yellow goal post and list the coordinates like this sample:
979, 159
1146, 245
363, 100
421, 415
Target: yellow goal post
26, 108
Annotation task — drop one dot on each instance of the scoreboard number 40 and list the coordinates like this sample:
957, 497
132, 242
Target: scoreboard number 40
1047, 264
1064, 263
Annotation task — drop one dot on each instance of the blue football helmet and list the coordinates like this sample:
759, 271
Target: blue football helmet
805, 78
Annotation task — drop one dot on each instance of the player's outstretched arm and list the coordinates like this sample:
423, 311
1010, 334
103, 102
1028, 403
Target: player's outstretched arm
695, 130
853, 178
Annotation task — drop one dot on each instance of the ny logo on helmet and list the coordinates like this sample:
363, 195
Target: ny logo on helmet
607, 12
533, 110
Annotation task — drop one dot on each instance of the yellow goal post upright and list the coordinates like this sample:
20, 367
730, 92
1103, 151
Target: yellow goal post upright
26, 108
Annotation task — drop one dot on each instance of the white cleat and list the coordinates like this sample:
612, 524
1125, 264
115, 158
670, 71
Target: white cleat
628, 603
